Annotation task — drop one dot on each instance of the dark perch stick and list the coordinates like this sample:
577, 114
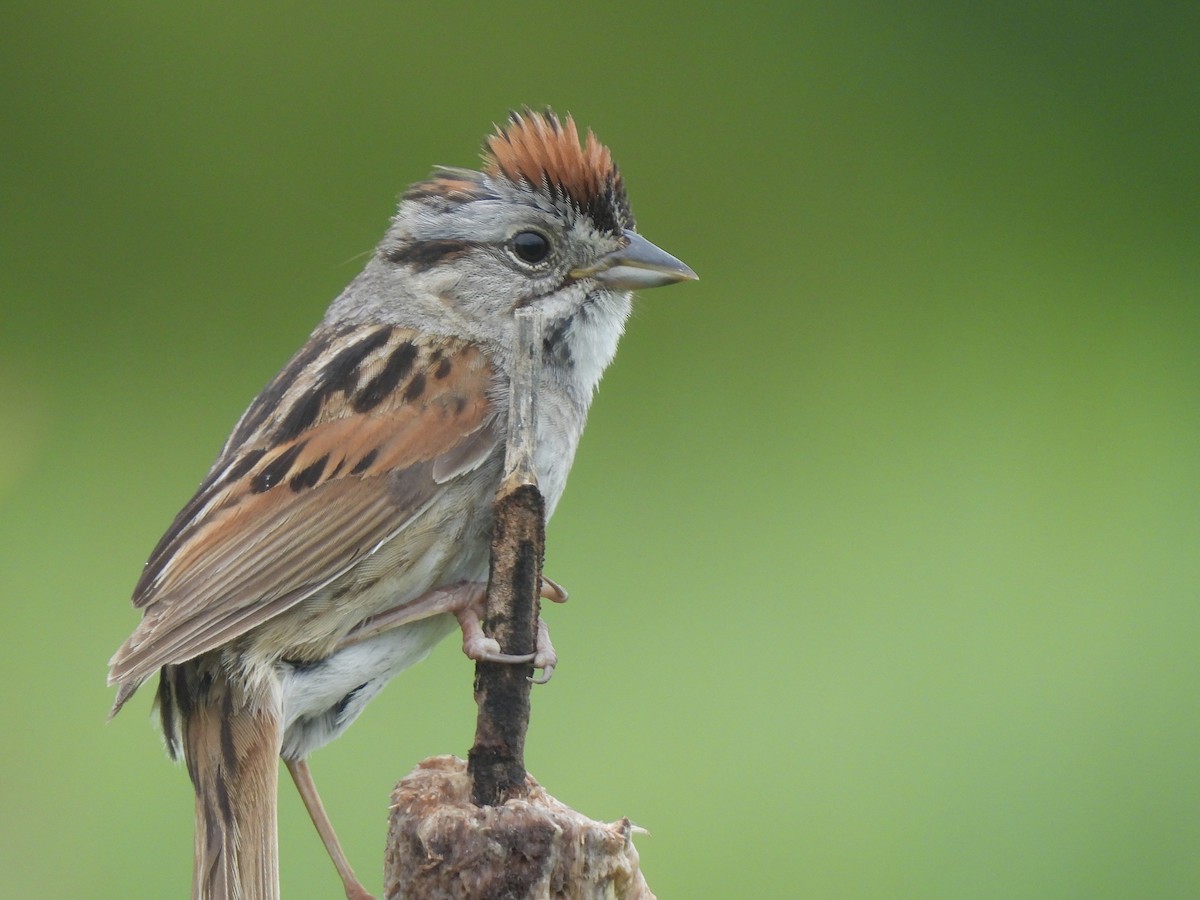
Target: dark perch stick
496, 763
485, 828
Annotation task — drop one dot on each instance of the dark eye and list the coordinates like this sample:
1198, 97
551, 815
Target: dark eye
530, 246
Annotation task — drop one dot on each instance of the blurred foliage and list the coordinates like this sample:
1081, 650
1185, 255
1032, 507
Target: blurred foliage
883, 540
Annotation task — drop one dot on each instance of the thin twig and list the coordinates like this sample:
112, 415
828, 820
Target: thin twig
496, 762
523, 398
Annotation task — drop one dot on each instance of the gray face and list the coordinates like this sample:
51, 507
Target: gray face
512, 246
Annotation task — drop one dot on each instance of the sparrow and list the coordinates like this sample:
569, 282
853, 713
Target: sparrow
345, 526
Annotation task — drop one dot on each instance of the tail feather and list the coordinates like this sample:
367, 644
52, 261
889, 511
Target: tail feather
231, 740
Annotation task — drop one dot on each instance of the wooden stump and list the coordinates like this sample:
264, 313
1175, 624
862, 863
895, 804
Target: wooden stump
441, 845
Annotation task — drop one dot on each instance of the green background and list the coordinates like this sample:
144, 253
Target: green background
882, 542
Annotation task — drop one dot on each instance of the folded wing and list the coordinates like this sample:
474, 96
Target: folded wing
350, 441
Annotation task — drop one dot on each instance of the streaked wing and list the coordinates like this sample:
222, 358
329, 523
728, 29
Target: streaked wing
350, 441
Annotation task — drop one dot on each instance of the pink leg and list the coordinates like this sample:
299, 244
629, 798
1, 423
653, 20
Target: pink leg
465, 601
440, 600
316, 811
481, 648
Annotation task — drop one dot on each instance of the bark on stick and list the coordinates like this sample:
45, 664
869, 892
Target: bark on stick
496, 762
485, 828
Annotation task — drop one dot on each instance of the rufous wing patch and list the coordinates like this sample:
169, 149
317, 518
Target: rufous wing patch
346, 454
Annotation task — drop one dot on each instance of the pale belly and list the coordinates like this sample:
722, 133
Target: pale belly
321, 699
324, 692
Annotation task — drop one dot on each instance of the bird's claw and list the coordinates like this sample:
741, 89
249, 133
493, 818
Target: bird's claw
481, 648
545, 658
553, 591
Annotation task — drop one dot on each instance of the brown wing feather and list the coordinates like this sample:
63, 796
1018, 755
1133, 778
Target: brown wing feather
343, 448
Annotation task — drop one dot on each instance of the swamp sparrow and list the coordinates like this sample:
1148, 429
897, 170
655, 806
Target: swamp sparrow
346, 524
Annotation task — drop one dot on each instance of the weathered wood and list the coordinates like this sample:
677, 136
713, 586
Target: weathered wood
441, 845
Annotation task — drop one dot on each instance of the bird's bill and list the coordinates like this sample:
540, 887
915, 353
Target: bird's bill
637, 265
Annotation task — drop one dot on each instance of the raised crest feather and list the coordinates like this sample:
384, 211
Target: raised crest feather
544, 151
